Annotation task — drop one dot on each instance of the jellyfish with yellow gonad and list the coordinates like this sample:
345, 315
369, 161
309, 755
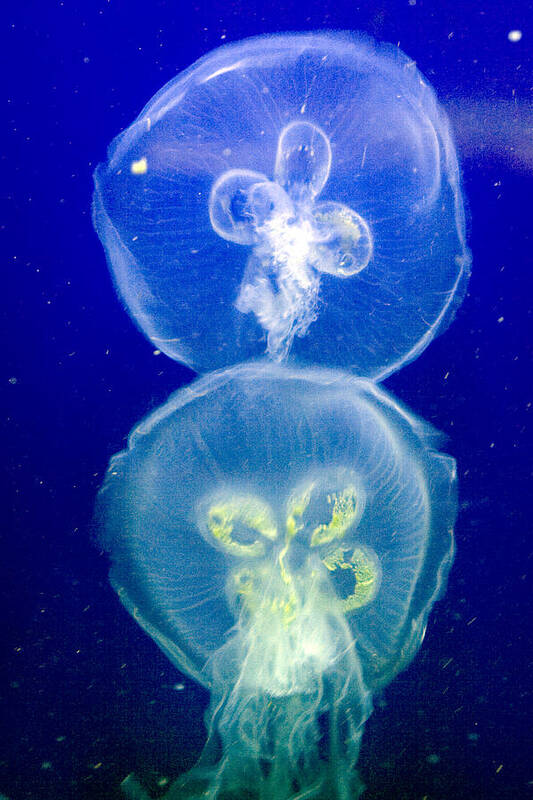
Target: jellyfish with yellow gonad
286, 559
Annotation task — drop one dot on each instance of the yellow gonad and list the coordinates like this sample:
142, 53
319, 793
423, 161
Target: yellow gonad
235, 521
343, 515
363, 564
252, 513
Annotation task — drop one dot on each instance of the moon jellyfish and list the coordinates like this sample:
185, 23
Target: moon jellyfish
288, 195
282, 535
280, 530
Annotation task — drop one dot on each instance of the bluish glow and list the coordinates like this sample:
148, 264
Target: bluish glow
295, 196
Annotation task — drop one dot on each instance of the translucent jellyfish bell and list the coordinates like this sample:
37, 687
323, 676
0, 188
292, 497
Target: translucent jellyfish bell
294, 195
282, 535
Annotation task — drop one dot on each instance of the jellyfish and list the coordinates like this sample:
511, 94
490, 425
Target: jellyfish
292, 197
282, 534
286, 217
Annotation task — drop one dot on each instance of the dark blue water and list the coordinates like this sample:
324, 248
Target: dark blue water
86, 697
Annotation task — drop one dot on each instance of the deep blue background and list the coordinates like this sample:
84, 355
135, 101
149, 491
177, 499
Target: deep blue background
85, 696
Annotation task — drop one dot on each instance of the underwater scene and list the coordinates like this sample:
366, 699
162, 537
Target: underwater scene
268, 403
